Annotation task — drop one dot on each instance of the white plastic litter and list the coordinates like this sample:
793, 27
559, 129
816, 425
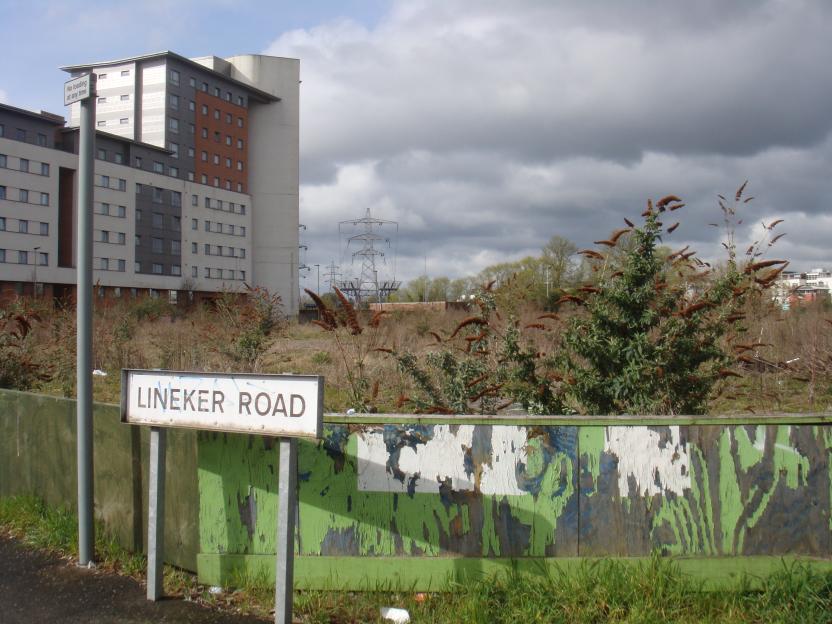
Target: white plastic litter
350, 412
395, 615
214, 589
99, 373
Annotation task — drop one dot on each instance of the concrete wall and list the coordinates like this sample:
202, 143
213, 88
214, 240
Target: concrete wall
37, 457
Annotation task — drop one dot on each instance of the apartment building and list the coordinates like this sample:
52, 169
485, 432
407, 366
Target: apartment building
196, 180
794, 288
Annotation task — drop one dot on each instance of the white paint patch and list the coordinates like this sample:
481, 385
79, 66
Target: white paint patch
442, 458
508, 448
641, 457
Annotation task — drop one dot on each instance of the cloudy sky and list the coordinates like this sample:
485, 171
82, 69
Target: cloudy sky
484, 128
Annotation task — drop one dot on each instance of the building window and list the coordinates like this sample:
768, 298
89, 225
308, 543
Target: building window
173, 75
242, 230
41, 139
138, 214
121, 238
192, 82
216, 159
175, 247
173, 125
239, 144
125, 72
174, 171
158, 167
137, 240
239, 122
228, 184
190, 176
3, 161
125, 97
102, 100
23, 226
138, 188
103, 236
122, 184
205, 133
43, 259
194, 248
20, 134
242, 252
24, 165
23, 195
216, 182
240, 101
242, 209
174, 147
191, 128
44, 199
157, 245
204, 109
23, 257
118, 158
217, 114
228, 163
44, 169
190, 152
207, 249
124, 121
219, 204
175, 198
175, 269
177, 223
207, 202
192, 106
158, 220
157, 268
207, 272
104, 181
137, 268
194, 271
204, 156
239, 187
102, 154
2, 224
242, 275
228, 139
229, 118
100, 123
174, 101
216, 91
207, 226
44, 228
122, 267
239, 165
203, 179
138, 162
2, 255
205, 87
104, 265
194, 224
228, 96
122, 211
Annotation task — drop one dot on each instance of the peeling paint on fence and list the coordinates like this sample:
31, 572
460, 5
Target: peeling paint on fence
481, 490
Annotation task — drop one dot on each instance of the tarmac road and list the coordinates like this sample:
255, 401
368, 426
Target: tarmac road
36, 587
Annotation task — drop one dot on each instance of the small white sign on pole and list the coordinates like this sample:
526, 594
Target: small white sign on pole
275, 405
77, 89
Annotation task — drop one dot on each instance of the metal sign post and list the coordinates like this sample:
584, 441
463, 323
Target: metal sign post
284, 406
82, 89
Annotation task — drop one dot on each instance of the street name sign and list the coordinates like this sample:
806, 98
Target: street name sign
274, 405
77, 89
285, 406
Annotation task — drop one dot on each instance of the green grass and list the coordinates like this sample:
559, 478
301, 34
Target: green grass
597, 591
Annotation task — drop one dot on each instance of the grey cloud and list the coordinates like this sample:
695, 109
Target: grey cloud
486, 128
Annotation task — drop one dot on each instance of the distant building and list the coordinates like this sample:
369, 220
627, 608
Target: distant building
795, 288
196, 181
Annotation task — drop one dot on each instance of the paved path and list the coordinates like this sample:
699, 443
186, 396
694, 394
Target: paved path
35, 587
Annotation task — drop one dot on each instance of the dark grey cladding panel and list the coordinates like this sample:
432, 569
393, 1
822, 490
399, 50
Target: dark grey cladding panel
34, 130
184, 138
163, 227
